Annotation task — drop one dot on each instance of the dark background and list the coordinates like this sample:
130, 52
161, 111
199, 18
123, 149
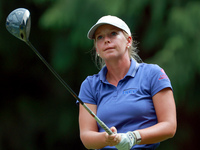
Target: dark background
36, 111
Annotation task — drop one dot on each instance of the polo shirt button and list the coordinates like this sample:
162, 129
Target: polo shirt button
115, 93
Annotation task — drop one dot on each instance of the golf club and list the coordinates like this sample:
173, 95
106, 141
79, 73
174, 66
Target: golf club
18, 23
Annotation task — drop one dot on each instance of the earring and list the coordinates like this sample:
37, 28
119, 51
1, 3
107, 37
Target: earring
98, 54
128, 46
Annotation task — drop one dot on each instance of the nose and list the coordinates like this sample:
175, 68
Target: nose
107, 39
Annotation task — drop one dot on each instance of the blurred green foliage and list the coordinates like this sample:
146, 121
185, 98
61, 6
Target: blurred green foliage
36, 112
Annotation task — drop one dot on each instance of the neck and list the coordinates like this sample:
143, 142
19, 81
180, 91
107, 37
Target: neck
117, 70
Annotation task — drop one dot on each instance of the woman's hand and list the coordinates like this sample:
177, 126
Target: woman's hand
113, 139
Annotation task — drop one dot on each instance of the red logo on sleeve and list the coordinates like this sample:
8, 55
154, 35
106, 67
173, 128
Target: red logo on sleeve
163, 75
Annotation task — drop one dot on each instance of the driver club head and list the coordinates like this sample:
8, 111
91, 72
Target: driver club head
18, 23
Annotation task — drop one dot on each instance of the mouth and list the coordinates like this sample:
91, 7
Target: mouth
108, 48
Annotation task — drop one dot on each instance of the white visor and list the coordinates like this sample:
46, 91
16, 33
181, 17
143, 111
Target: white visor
111, 20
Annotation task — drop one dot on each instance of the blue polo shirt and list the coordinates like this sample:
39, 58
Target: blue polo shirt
128, 106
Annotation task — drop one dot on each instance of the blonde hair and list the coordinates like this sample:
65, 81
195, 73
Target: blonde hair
133, 53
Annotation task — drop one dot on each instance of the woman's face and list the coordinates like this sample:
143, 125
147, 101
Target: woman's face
111, 43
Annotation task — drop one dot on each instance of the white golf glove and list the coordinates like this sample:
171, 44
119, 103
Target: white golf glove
127, 141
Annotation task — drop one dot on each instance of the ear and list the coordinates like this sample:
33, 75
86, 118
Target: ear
95, 47
129, 41
96, 50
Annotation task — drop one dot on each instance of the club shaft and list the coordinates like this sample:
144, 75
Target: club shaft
101, 123
69, 89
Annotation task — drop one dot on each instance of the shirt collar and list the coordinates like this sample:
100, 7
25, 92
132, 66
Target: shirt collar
131, 72
133, 68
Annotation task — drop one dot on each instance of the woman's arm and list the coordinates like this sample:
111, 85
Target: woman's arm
90, 137
166, 114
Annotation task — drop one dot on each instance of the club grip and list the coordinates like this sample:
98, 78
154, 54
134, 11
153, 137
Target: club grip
101, 123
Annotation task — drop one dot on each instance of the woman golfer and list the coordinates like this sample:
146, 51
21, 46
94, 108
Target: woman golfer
135, 100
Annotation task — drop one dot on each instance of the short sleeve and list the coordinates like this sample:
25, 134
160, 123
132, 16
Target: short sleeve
86, 92
158, 79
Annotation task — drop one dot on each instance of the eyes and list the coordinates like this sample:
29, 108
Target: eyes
111, 35
99, 37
